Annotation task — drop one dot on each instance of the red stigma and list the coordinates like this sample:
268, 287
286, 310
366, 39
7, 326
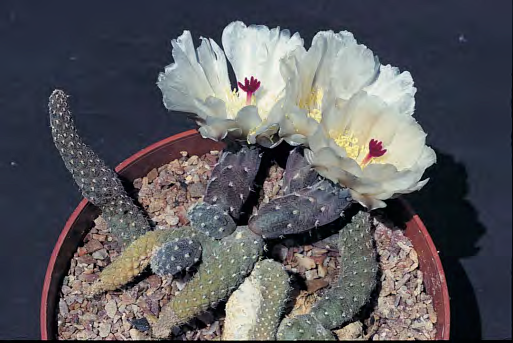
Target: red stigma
375, 150
250, 87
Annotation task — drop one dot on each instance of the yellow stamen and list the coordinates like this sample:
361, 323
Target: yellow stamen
349, 142
315, 114
312, 102
234, 103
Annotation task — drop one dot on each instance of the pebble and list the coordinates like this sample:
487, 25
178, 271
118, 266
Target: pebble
99, 237
100, 254
111, 308
88, 277
319, 252
63, 308
304, 261
104, 329
196, 190
152, 175
322, 271
314, 285
86, 259
172, 220
154, 281
350, 332
311, 274
93, 245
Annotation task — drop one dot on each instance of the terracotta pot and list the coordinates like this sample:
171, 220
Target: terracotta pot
158, 154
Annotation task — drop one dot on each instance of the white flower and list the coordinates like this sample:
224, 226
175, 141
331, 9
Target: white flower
197, 82
372, 148
334, 69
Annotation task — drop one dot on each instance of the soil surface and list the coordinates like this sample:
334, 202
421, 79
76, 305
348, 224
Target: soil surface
399, 308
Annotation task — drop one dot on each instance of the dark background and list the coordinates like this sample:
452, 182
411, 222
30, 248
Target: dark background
108, 55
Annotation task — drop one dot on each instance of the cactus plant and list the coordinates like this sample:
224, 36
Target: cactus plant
303, 328
212, 220
232, 178
175, 256
345, 149
298, 172
99, 184
307, 208
231, 260
253, 312
137, 256
355, 284
357, 278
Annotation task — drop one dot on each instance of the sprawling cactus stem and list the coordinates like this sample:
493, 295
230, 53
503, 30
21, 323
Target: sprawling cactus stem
175, 256
136, 257
300, 211
232, 179
357, 279
212, 220
220, 273
298, 172
303, 328
97, 182
253, 311
356, 282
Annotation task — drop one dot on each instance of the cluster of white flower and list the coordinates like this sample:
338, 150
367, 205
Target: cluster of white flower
353, 114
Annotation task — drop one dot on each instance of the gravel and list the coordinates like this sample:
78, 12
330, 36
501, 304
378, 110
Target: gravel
401, 310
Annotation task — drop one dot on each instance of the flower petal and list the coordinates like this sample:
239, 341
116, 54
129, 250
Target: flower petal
187, 85
183, 83
213, 63
395, 89
217, 129
256, 50
319, 139
369, 202
248, 119
345, 66
296, 125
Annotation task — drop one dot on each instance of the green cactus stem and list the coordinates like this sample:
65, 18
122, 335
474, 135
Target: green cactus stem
212, 220
136, 257
356, 281
175, 256
98, 183
219, 274
310, 207
303, 328
358, 277
253, 311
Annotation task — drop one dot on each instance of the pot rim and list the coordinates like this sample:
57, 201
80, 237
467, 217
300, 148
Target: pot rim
156, 146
